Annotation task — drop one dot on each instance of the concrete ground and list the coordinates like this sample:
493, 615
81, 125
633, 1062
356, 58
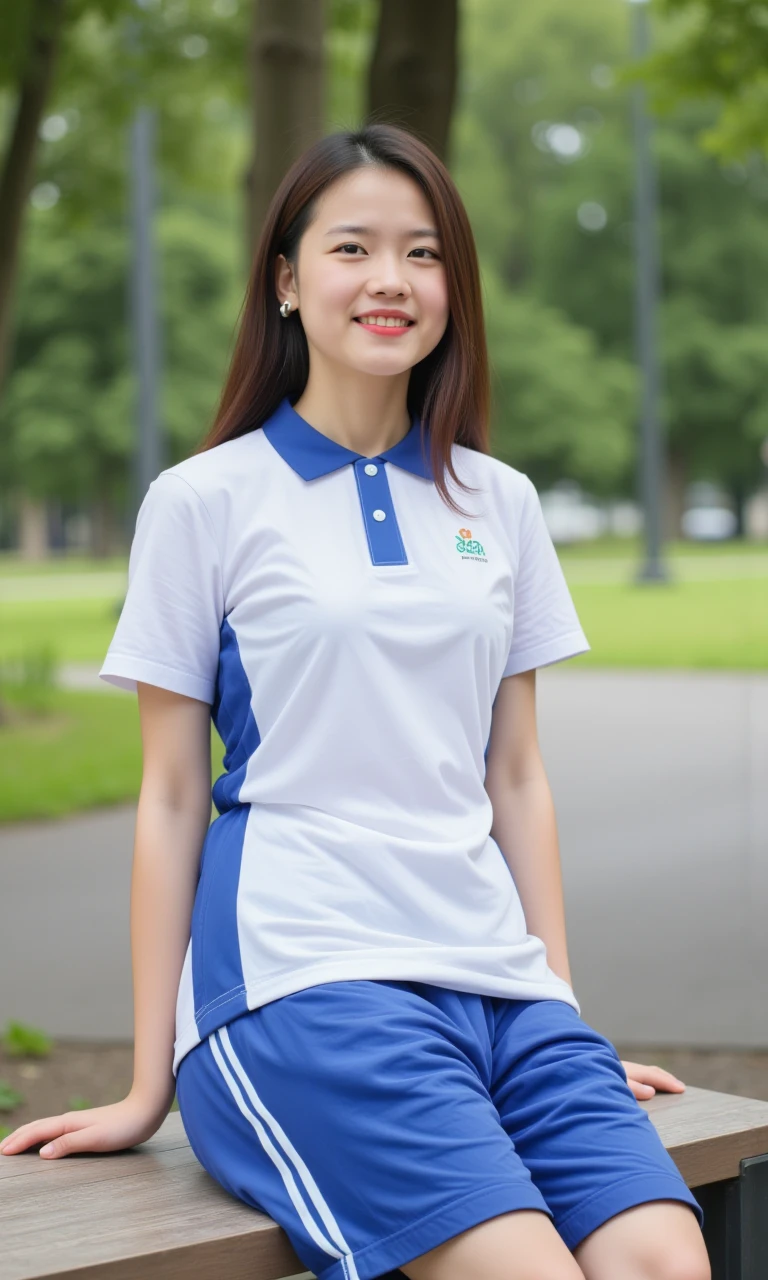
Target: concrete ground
659, 781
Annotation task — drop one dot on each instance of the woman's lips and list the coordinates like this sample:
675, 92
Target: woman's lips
387, 330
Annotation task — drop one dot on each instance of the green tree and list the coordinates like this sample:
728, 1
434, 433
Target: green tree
287, 79
564, 397
717, 53
66, 422
413, 68
71, 171
561, 407
73, 72
546, 165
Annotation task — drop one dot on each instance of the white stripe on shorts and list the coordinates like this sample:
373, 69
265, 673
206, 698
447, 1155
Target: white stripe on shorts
341, 1249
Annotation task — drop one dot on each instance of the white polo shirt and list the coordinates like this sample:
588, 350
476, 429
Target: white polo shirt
350, 632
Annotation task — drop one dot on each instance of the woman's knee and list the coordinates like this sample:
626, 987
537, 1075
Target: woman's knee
652, 1241
520, 1245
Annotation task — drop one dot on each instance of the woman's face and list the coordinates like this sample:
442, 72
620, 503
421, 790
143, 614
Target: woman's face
371, 249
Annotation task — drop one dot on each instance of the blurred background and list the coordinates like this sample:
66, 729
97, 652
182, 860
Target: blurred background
613, 157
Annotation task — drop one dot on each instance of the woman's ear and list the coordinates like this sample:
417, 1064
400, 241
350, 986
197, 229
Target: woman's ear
285, 282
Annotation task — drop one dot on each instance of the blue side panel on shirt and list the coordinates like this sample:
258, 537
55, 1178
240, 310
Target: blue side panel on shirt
233, 716
217, 970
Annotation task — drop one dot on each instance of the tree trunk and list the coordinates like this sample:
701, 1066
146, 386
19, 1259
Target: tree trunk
33, 528
18, 167
103, 527
287, 76
739, 498
674, 495
412, 76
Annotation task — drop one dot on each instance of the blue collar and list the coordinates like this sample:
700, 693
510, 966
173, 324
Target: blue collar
313, 454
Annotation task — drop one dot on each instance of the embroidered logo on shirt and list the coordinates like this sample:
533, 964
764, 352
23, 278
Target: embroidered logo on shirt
468, 547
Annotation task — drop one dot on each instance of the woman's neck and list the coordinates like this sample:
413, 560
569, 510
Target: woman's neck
363, 412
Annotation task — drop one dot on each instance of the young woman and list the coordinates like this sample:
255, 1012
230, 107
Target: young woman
376, 1039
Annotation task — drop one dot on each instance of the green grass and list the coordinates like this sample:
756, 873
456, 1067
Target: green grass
85, 754
716, 626
632, 549
80, 629
12, 566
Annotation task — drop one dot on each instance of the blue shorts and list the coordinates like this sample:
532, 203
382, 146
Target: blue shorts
374, 1120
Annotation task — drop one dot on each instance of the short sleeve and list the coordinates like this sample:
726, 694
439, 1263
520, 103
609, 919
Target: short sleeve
168, 632
546, 627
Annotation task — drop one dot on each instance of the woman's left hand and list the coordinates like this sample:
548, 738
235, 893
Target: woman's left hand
644, 1081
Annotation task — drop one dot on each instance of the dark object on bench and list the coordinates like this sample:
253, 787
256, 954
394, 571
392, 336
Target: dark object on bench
153, 1213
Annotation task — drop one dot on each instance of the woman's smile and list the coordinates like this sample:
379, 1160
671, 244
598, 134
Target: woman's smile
386, 324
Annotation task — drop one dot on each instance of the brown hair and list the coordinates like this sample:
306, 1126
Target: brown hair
449, 389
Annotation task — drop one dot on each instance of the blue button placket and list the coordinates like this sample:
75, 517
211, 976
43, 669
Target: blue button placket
381, 528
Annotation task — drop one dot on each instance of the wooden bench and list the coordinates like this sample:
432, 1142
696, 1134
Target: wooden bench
153, 1213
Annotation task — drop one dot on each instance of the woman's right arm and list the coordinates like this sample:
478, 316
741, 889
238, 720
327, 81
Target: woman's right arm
172, 818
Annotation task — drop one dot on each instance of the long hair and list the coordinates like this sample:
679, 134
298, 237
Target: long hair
449, 389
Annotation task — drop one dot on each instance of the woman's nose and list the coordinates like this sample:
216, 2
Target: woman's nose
389, 278
389, 283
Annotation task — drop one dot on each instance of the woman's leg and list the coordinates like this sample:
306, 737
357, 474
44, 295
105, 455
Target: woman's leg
357, 1116
522, 1245
591, 1148
660, 1240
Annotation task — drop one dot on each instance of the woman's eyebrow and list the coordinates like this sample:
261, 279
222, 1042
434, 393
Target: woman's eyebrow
348, 229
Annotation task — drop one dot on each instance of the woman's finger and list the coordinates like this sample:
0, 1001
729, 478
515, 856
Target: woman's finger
666, 1079
27, 1135
85, 1139
644, 1074
641, 1091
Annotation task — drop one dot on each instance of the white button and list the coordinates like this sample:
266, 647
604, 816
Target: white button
379, 515
371, 469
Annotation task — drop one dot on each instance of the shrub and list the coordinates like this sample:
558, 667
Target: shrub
28, 681
22, 1041
10, 1099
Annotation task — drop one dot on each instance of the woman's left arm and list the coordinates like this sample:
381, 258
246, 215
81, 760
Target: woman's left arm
524, 821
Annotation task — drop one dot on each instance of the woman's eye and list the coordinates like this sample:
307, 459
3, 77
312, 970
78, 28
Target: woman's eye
354, 247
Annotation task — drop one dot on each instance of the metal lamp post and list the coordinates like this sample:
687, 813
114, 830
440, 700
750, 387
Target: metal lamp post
149, 452
647, 290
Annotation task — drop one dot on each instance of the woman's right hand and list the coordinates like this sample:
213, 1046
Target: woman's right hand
111, 1128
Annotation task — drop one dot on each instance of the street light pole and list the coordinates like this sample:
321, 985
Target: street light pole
647, 290
149, 454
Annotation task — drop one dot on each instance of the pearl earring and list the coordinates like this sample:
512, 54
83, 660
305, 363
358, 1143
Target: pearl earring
284, 309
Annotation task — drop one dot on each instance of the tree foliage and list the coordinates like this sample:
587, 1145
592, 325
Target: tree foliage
558, 282
72, 73
562, 406
182, 57
67, 420
545, 162
717, 52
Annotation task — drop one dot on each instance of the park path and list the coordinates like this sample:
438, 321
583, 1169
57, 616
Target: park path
660, 781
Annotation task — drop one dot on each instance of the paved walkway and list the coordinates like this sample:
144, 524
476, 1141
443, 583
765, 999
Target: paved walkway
83, 675
659, 782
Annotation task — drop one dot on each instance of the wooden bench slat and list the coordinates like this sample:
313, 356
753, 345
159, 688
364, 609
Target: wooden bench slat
709, 1133
154, 1212
109, 1164
154, 1221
